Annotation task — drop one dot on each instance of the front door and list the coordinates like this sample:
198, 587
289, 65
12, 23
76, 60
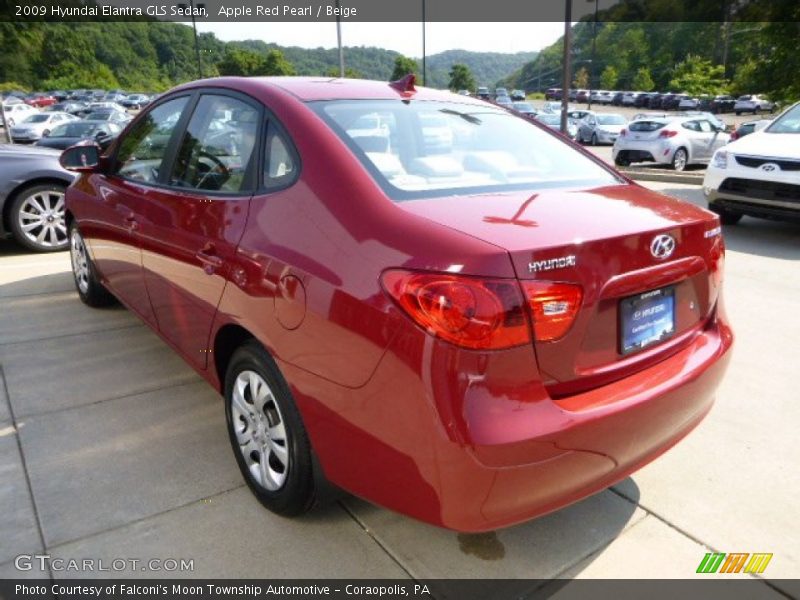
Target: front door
122, 194
191, 228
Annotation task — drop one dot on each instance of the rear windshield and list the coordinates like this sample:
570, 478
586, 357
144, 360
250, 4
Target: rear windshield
422, 149
646, 126
789, 122
37, 119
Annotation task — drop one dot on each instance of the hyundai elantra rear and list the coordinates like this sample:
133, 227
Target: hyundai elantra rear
441, 307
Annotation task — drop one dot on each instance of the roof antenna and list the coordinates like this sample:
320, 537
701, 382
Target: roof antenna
405, 85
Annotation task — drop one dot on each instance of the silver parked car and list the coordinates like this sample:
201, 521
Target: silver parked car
600, 128
677, 142
32, 185
753, 103
553, 121
39, 125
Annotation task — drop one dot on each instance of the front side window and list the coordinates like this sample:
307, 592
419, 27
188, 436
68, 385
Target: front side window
217, 148
144, 148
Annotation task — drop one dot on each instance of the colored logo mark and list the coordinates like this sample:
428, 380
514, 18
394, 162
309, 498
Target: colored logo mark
719, 562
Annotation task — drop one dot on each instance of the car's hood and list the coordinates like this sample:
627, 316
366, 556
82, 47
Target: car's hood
763, 143
19, 150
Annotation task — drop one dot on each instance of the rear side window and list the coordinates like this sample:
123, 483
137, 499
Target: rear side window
218, 146
691, 125
280, 166
143, 149
646, 126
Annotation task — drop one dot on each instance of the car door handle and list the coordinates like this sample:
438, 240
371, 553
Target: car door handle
211, 262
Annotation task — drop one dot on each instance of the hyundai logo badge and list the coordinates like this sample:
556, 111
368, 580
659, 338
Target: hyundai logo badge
662, 246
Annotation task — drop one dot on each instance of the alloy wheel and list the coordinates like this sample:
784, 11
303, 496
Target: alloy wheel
679, 161
41, 219
80, 261
260, 430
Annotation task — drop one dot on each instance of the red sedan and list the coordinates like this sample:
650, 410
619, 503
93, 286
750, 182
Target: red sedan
421, 298
41, 101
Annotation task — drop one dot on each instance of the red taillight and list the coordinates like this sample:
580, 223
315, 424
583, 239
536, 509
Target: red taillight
734, 135
553, 306
667, 133
472, 312
623, 132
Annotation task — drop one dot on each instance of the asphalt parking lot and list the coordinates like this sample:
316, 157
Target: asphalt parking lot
111, 447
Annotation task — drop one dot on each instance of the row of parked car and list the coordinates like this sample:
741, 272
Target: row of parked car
749, 103
63, 124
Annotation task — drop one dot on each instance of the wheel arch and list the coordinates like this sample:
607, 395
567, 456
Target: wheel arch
12, 194
228, 338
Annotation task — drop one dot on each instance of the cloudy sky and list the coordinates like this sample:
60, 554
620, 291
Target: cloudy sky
405, 38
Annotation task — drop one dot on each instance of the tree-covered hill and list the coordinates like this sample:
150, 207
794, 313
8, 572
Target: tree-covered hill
155, 56
740, 56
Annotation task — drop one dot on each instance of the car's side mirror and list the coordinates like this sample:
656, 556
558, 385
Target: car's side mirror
82, 159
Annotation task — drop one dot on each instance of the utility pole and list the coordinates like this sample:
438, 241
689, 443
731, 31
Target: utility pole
339, 40
424, 69
565, 74
591, 65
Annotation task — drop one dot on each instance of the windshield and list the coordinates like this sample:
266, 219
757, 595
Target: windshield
37, 119
789, 122
98, 116
610, 119
73, 130
524, 106
421, 149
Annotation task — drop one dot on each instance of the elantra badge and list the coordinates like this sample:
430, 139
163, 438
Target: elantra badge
769, 167
662, 246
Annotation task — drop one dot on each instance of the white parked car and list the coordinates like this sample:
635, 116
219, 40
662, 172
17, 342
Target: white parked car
16, 113
753, 103
688, 104
678, 141
759, 174
37, 126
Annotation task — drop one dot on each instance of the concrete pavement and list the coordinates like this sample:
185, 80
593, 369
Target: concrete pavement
111, 447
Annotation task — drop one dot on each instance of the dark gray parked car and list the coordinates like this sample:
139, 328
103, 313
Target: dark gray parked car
32, 185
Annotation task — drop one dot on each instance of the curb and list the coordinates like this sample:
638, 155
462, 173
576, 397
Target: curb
651, 175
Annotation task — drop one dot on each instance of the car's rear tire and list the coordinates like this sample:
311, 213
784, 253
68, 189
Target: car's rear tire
37, 217
87, 283
680, 159
267, 434
622, 162
726, 216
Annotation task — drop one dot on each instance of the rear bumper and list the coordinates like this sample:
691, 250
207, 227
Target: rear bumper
472, 442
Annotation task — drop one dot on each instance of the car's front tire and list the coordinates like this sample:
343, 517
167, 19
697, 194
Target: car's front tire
594, 139
726, 216
87, 283
267, 433
37, 217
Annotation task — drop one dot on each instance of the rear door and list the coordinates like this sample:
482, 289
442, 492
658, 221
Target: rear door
192, 227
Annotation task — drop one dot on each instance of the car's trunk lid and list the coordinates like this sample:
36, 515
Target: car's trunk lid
600, 239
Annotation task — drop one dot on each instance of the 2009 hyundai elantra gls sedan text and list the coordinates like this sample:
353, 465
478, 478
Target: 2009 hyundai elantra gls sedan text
421, 298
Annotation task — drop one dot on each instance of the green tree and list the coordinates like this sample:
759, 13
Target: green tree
696, 76
581, 80
402, 67
276, 64
461, 78
245, 63
349, 73
609, 78
642, 81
